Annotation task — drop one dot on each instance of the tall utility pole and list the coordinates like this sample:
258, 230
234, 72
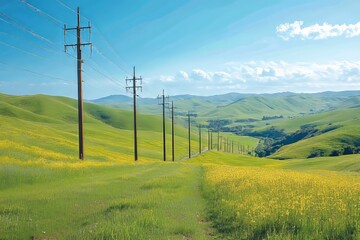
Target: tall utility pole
218, 141
172, 132
189, 115
208, 139
163, 103
134, 87
78, 46
227, 144
199, 139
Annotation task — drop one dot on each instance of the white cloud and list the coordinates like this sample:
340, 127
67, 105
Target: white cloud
267, 76
166, 78
199, 74
317, 31
296, 75
221, 76
182, 75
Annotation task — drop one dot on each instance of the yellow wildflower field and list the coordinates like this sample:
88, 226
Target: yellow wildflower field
262, 203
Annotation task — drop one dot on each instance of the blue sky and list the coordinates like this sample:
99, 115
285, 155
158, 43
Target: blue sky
200, 47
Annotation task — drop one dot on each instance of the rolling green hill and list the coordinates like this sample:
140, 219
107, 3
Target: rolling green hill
44, 128
244, 106
329, 133
47, 193
259, 106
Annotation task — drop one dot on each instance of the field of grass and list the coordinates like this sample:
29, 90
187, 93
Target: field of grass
47, 193
136, 201
215, 195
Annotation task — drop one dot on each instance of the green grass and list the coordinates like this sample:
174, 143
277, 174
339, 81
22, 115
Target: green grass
345, 133
142, 201
345, 163
47, 193
43, 126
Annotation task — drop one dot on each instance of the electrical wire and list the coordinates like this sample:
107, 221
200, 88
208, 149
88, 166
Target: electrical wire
103, 74
15, 23
31, 43
57, 22
66, 6
113, 50
103, 37
33, 72
109, 60
53, 19
50, 16
22, 50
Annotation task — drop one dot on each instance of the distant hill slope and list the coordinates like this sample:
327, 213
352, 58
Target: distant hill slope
259, 106
332, 133
244, 106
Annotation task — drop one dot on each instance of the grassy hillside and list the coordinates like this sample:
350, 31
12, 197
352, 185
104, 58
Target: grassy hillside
338, 129
42, 127
258, 106
47, 193
244, 106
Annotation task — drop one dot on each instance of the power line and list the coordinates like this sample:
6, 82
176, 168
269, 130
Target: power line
11, 21
15, 23
25, 29
22, 50
66, 6
31, 43
103, 74
60, 26
33, 72
102, 36
113, 49
53, 19
108, 59
98, 51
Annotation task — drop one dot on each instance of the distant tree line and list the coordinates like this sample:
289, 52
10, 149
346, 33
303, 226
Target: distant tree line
264, 118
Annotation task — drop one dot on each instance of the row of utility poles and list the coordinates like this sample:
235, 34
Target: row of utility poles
135, 85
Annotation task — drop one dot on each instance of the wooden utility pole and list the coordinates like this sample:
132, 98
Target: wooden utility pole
208, 139
134, 87
199, 139
172, 132
218, 140
227, 145
189, 132
78, 46
189, 115
163, 103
